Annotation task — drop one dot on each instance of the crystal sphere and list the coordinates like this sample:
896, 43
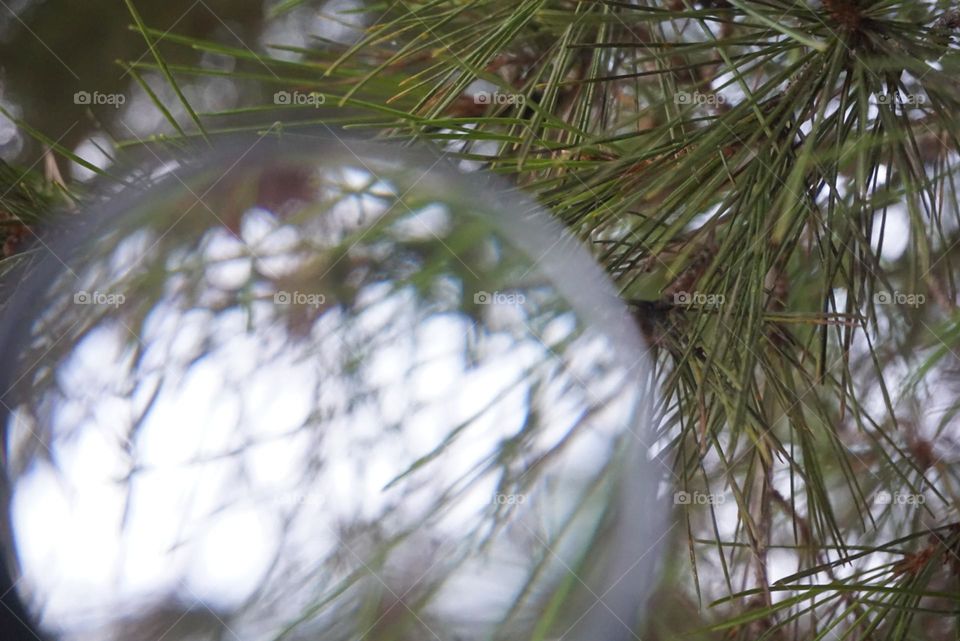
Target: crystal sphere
316, 389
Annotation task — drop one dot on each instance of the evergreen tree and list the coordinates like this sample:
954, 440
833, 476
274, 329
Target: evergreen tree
770, 184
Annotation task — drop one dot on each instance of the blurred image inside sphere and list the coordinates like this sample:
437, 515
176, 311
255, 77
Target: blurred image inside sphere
324, 390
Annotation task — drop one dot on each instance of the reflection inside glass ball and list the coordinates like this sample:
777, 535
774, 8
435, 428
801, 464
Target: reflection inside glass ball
326, 396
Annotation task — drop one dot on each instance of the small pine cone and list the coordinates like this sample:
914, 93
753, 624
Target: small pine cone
845, 12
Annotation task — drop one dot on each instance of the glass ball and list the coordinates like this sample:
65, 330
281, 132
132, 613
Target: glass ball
305, 389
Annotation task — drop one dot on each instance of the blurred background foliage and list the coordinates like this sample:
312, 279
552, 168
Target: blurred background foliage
771, 183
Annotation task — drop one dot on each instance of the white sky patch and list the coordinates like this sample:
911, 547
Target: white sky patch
91, 150
896, 232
